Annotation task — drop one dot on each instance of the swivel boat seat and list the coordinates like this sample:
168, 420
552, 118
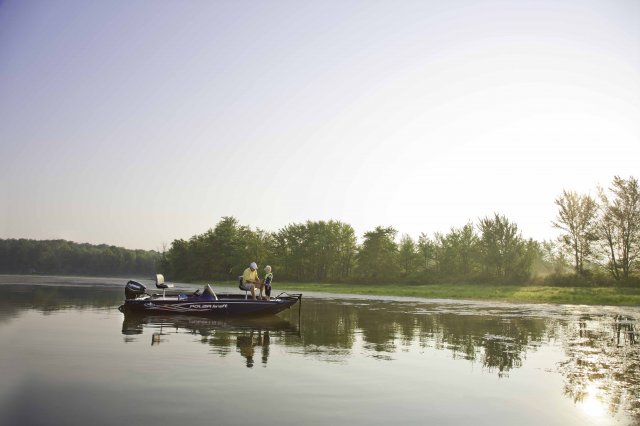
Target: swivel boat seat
241, 286
161, 284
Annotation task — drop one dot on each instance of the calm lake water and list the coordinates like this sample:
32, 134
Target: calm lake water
69, 357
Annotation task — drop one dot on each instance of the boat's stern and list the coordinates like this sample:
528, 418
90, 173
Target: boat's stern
134, 289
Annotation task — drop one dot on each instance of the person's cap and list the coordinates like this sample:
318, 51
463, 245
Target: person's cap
253, 265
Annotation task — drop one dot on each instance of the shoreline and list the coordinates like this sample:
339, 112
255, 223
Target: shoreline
606, 296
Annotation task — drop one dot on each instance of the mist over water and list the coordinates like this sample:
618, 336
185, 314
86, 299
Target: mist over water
75, 359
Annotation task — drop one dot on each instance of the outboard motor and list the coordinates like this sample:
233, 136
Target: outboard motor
133, 289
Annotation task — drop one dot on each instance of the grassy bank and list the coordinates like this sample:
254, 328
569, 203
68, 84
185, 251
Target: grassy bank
529, 294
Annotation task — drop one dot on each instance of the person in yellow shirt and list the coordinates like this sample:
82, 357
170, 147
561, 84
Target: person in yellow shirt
250, 280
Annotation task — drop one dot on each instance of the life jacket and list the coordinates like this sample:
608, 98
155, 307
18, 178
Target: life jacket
267, 279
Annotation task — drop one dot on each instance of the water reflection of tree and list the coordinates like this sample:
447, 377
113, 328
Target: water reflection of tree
380, 332
329, 332
499, 343
46, 299
603, 358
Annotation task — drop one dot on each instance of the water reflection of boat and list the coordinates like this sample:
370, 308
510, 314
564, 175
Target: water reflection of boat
135, 323
248, 333
206, 302
247, 344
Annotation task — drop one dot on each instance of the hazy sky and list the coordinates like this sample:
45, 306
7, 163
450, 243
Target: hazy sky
134, 123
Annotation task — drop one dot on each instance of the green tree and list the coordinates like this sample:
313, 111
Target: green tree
257, 246
346, 249
177, 265
378, 255
408, 257
619, 226
292, 252
315, 251
457, 252
466, 246
227, 249
427, 253
577, 218
505, 254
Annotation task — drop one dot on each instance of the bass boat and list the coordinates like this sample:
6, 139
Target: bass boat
207, 302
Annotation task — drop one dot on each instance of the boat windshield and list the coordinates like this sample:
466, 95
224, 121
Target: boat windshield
208, 293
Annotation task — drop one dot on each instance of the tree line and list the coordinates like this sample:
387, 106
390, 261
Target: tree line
599, 245
24, 256
602, 238
328, 251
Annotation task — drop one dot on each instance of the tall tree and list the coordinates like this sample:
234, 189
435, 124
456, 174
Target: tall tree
427, 252
292, 251
177, 261
577, 216
346, 249
457, 251
408, 257
506, 255
315, 250
377, 257
231, 248
619, 225
467, 247
219, 253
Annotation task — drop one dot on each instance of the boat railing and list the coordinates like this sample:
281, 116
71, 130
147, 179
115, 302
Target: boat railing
292, 295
